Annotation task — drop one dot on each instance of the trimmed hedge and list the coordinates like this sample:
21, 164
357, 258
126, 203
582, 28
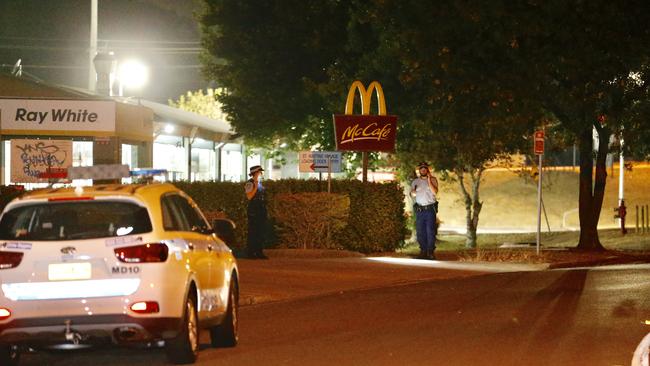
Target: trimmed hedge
8, 193
376, 220
309, 219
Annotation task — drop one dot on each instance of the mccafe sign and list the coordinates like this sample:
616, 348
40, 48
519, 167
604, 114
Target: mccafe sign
365, 132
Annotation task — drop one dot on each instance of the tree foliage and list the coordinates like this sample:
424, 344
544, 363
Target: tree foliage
446, 77
468, 80
271, 58
199, 102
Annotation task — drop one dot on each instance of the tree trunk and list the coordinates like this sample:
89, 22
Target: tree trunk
472, 204
591, 193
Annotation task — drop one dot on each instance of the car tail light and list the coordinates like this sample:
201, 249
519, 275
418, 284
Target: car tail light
145, 253
145, 307
4, 313
58, 199
10, 259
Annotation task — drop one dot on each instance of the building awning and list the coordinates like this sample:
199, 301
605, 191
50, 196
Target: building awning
73, 105
172, 114
135, 118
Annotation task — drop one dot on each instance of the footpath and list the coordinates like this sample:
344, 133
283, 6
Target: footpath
286, 277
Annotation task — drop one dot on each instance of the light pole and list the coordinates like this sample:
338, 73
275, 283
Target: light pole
93, 44
105, 65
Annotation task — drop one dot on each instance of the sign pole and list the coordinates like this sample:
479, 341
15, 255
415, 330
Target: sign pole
538, 147
329, 174
364, 158
539, 204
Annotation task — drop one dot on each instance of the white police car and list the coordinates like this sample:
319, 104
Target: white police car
113, 263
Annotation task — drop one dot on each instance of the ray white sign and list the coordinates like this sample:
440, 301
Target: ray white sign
30, 159
57, 115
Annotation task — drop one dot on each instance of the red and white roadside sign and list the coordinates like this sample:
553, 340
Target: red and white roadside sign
539, 142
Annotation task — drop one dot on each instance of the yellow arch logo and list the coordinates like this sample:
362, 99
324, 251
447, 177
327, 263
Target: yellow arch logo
365, 132
366, 97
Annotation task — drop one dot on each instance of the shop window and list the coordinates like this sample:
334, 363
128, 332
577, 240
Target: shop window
171, 157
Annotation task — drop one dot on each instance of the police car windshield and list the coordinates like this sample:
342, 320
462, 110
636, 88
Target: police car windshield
74, 220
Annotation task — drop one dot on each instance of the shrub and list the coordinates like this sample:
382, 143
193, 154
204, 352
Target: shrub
376, 220
8, 193
219, 199
310, 219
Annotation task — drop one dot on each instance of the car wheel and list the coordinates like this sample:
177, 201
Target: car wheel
226, 333
9, 355
184, 348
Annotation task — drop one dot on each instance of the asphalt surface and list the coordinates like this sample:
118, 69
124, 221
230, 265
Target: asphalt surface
561, 317
281, 279
356, 311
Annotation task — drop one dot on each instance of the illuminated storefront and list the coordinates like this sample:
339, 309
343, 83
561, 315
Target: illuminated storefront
112, 130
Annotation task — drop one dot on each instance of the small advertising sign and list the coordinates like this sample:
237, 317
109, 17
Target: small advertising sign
320, 161
35, 161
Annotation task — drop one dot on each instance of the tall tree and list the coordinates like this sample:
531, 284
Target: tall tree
578, 58
582, 62
445, 64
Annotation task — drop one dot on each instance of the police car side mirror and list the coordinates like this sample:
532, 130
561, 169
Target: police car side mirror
225, 230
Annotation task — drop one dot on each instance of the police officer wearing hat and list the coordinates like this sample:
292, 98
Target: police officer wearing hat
257, 215
424, 189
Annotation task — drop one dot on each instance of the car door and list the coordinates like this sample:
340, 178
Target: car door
221, 266
179, 229
203, 246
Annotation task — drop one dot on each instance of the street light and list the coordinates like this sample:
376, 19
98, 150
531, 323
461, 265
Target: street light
132, 74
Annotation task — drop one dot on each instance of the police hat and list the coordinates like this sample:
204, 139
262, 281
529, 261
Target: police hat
423, 164
254, 169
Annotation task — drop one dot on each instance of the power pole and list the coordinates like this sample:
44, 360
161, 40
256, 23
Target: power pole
92, 51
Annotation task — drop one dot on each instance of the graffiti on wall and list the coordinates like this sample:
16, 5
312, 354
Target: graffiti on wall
31, 160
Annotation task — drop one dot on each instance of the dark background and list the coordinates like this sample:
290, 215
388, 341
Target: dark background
52, 40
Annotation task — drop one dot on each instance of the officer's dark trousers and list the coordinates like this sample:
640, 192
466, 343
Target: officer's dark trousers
425, 225
256, 230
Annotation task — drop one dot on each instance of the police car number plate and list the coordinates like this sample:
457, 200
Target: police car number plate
69, 271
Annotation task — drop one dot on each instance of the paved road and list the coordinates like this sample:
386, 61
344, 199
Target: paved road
563, 317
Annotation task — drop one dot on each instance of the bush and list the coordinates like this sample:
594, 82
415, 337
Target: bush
376, 220
221, 199
8, 193
310, 219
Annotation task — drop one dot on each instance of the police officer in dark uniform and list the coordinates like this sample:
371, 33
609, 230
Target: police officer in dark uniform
257, 215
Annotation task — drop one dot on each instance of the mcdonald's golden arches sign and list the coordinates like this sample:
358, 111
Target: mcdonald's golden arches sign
365, 132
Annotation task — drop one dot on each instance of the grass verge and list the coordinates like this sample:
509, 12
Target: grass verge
556, 247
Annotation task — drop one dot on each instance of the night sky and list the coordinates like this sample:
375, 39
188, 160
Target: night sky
52, 39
